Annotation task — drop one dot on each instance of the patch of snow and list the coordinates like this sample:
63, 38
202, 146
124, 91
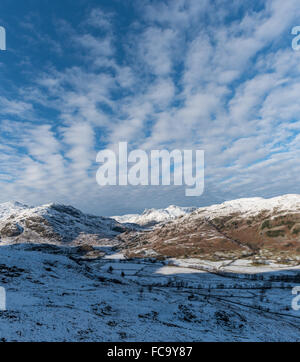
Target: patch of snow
9, 208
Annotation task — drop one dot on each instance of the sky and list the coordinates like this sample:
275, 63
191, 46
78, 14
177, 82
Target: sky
81, 76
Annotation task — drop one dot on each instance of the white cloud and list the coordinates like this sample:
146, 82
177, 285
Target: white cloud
188, 77
156, 48
14, 107
100, 19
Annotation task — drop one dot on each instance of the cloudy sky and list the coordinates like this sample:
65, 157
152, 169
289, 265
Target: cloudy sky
81, 76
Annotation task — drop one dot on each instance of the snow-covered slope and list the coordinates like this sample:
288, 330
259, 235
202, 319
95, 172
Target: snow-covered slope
53, 223
52, 297
154, 216
253, 206
8, 208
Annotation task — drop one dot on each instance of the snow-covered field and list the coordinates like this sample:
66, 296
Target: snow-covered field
54, 294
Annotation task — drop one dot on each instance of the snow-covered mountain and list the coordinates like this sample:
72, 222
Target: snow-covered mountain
53, 223
151, 217
254, 226
253, 206
245, 206
237, 225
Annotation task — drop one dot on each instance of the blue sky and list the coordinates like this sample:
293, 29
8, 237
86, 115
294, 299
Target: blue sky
80, 76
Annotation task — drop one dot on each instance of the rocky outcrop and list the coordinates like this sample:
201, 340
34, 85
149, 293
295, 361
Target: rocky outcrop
11, 230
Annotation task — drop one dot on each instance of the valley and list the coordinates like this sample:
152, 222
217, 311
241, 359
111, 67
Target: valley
69, 276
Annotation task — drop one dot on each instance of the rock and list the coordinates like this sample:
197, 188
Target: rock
11, 230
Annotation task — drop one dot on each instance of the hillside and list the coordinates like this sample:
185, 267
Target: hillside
234, 229
53, 223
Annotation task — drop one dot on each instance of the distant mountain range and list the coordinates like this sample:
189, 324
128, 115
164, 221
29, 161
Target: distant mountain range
151, 217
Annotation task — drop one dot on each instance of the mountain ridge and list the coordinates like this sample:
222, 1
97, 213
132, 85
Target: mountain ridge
236, 228
246, 205
151, 217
